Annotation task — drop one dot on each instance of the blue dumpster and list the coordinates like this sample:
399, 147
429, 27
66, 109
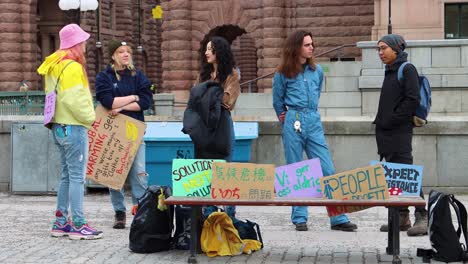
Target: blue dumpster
165, 142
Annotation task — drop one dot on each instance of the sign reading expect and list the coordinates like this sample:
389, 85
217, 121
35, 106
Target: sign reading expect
192, 177
300, 179
113, 143
242, 181
362, 183
407, 177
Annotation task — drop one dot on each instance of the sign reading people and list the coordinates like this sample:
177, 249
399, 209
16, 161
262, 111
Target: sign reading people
192, 177
113, 144
300, 179
242, 181
362, 183
406, 177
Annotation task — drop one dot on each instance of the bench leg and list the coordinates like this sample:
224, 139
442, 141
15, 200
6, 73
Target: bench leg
194, 233
395, 231
389, 248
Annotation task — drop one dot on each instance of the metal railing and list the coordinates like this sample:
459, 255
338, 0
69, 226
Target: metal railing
22, 103
339, 56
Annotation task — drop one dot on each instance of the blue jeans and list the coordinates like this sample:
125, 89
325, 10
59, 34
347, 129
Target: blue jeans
138, 179
311, 140
72, 141
230, 210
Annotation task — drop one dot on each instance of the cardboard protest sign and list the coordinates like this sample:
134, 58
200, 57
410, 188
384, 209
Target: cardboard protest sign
300, 179
406, 177
242, 181
361, 183
192, 177
113, 144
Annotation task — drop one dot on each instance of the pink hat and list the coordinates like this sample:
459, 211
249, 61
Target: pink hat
70, 35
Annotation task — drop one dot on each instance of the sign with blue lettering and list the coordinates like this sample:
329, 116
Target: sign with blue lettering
366, 183
407, 177
300, 179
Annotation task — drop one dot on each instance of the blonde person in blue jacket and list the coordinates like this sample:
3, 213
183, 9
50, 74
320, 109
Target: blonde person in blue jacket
74, 115
296, 91
122, 89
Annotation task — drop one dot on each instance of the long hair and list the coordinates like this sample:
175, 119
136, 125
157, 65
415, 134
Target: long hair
289, 65
76, 53
224, 58
130, 67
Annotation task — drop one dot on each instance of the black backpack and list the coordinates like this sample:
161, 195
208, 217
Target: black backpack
182, 227
445, 239
248, 230
151, 229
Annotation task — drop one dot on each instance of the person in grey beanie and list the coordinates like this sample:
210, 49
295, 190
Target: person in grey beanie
394, 120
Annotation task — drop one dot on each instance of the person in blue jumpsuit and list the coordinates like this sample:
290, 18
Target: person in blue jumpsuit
296, 91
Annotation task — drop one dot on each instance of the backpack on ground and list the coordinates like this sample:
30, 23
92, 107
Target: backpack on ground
248, 230
151, 229
420, 116
445, 239
182, 227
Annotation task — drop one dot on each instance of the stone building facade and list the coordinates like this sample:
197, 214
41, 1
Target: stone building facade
29, 32
259, 28
171, 46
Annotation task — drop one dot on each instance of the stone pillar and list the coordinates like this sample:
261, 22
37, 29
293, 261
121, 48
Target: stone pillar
176, 48
11, 47
28, 41
273, 36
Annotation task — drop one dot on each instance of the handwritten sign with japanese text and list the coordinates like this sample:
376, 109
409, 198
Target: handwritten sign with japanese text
361, 183
407, 177
113, 144
242, 181
192, 177
300, 179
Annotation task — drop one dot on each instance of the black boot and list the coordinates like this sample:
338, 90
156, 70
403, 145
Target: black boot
405, 223
120, 220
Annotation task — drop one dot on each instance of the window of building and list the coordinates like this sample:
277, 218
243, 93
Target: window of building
456, 21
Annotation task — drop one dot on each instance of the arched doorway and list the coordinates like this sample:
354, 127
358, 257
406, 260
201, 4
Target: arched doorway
243, 48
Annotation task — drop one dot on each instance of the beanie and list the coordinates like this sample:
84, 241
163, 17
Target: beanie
113, 45
72, 34
396, 42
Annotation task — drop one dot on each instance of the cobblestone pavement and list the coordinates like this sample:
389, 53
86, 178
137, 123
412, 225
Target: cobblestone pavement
26, 222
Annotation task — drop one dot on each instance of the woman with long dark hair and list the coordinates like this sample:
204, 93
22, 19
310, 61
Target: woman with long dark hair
217, 64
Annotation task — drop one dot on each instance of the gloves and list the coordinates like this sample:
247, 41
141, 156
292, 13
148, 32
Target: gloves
282, 116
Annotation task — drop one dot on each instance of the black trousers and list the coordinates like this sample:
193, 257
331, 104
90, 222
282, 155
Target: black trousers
404, 158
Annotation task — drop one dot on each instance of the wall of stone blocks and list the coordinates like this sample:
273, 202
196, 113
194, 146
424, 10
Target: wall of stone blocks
443, 62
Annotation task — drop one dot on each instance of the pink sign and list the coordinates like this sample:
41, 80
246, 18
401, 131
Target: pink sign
49, 107
300, 179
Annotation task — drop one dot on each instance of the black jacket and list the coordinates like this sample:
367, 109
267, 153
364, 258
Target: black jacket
207, 122
397, 104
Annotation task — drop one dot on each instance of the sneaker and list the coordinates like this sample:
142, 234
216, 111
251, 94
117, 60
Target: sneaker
347, 227
301, 227
59, 230
84, 232
120, 219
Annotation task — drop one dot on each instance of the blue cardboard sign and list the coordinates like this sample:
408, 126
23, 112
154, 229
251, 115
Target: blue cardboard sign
407, 177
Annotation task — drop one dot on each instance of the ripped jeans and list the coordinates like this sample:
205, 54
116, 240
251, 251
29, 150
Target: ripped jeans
138, 179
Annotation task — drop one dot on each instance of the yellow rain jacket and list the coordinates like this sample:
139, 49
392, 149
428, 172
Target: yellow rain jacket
219, 237
74, 102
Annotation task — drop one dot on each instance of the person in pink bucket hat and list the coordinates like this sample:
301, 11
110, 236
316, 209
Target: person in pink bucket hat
65, 75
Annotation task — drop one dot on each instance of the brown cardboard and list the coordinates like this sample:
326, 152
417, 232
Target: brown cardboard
242, 181
361, 183
113, 144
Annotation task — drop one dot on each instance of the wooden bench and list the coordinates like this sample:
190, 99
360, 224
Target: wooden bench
393, 204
